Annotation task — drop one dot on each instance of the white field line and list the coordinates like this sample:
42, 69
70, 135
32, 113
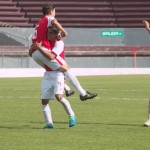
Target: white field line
38, 72
99, 97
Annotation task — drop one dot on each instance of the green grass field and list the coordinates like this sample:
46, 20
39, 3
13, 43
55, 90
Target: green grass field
112, 121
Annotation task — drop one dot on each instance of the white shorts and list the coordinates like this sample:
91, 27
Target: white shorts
52, 83
43, 60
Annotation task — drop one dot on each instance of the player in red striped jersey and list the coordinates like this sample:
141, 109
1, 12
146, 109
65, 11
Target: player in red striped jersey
40, 36
57, 62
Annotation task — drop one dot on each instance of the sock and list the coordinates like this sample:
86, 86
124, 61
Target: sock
74, 82
66, 87
149, 110
47, 114
67, 107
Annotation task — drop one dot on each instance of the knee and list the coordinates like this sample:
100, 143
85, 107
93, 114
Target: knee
59, 97
45, 101
64, 68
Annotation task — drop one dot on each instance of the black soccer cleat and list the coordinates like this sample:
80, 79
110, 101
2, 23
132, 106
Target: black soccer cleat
69, 93
87, 96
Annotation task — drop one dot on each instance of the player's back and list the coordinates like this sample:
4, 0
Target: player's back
41, 30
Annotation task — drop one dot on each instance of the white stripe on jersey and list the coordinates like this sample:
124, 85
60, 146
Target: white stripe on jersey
50, 19
58, 48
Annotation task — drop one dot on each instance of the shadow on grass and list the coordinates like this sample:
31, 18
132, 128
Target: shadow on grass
21, 127
15, 127
100, 123
111, 124
25, 127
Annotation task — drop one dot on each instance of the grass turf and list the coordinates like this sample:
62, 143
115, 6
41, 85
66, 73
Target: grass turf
112, 121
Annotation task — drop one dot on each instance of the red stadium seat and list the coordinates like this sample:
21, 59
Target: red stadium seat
115, 13
11, 15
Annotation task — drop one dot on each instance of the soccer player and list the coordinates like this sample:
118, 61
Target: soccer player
53, 87
40, 36
68, 91
146, 23
147, 123
55, 62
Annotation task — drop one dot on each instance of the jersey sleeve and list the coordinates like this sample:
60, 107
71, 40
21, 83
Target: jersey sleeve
50, 20
58, 48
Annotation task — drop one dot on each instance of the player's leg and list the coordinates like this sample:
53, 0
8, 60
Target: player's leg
37, 57
84, 95
47, 113
60, 64
147, 123
68, 91
58, 90
45, 96
40, 59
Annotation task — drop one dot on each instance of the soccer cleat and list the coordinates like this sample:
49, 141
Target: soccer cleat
48, 126
72, 121
147, 123
69, 93
87, 96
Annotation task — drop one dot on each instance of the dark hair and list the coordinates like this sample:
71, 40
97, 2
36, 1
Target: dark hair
55, 30
47, 8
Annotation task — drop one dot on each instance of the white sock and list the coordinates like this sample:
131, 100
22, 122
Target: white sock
47, 114
66, 87
67, 107
74, 81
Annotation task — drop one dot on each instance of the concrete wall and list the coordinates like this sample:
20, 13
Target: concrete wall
85, 36
80, 62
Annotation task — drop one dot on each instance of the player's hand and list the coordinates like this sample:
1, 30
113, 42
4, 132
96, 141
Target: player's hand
36, 45
64, 68
63, 34
146, 23
31, 51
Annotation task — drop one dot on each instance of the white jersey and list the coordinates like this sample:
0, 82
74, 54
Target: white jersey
58, 48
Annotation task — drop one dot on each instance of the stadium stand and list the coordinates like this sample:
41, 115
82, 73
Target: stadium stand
87, 14
11, 15
79, 13
82, 14
74, 14
130, 13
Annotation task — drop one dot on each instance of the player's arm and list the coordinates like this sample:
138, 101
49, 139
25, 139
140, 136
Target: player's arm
31, 51
57, 50
46, 53
57, 25
146, 23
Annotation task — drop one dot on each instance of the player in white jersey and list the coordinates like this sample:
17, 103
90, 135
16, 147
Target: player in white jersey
147, 26
53, 87
57, 62
147, 122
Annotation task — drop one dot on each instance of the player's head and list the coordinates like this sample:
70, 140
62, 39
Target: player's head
48, 9
52, 33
